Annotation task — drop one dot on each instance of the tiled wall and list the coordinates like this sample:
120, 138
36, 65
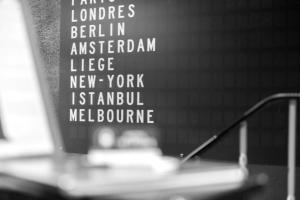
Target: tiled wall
218, 58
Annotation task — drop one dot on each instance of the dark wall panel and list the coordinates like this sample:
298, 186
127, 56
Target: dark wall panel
216, 58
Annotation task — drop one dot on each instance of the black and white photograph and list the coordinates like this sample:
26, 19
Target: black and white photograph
149, 99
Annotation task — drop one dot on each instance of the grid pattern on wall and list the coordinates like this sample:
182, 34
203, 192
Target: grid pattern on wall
215, 59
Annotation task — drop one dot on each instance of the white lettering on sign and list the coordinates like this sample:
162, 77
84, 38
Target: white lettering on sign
97, 35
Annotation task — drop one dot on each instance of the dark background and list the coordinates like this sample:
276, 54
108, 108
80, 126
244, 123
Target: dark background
215, 59
236, 52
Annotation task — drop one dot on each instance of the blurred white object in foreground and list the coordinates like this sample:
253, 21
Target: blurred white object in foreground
23, 115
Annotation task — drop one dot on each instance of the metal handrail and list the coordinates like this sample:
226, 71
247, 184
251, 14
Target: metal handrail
292, 124
257, 107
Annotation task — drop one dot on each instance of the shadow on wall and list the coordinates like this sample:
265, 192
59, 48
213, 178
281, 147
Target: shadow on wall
46, 15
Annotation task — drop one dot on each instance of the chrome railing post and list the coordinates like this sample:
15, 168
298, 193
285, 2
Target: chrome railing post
243, 145
292, 126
